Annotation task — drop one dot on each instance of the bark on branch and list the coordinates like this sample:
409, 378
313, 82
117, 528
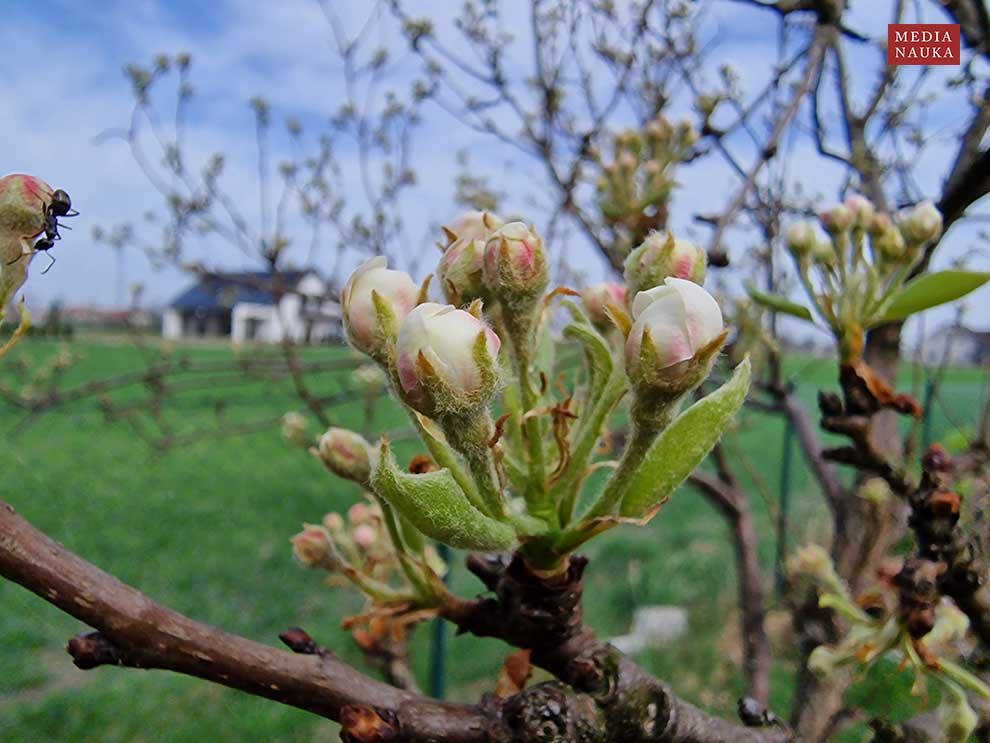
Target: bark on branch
604, 695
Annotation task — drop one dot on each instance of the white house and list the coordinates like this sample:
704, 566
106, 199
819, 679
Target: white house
255, 306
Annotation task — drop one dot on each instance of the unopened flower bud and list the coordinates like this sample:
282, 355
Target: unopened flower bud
311, 547
801, 239
889, 244
371, 379
675, 336
375, 301
921, 224
823, 253
447, 360
364, 535
598, 297
359, 513
837, 219
294, 430
515, 266
812, 560
346, 454
471, 226
881, 223
662, 255
862, 211
333, 522
461, 271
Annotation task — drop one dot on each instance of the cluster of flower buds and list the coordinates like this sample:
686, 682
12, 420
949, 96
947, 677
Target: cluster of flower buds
338, 545
637, 183
862, 264
461, 267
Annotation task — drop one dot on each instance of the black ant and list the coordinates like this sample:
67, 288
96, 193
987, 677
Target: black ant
60, 206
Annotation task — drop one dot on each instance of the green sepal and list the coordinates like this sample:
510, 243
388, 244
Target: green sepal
436, 506
779, 304
683, 445
598, 353
930, 290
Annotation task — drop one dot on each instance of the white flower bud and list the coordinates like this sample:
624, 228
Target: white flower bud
446, 360
673, 324
472, 226
862, 211
369, 326
921, 224
801, 238
294, 430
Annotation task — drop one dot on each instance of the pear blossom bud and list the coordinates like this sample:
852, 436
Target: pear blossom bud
446, 360
371, 378
824, 253
921, 224
333, 522
359, 513
372, 324
862, 211
837, 219
461, 271
364, 536
676, 330
598, 297
312, 548
515, 265
889, 243
471, 226
881, 223
294, 430
662, 255
801, 239
346, 454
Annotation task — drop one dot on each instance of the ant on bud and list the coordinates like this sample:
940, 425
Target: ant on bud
60, 206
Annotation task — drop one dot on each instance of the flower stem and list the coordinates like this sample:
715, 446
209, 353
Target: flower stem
469, 434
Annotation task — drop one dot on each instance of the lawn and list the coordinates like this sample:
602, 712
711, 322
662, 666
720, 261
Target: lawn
205, 528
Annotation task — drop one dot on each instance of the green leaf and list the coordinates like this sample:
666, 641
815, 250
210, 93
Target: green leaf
930, 290
779, 304
682, 446
598, 353
435, 504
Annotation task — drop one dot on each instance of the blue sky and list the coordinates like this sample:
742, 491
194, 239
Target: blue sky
62, 85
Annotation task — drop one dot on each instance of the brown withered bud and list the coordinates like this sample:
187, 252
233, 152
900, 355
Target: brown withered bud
917, 584
421, 464
936, 459
829, 403
361, 724
944, 503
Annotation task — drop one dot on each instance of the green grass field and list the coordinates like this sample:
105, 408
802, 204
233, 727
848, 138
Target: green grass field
205, 529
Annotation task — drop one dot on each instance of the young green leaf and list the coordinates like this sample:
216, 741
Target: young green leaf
779, 304
930, 290
683, 444
435, 505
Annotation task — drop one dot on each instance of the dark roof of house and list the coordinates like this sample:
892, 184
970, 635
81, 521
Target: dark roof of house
218, 291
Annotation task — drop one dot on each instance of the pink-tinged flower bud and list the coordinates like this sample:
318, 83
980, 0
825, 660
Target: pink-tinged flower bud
371, 324
837, 219
446, 360
359, 513
346, 454
677, 330
801, 239
312, 548
333, 522
461, 271
662, 255
364, 536
921, 224
294, 430
598, 297
881, 223
862, 211
471, 226
515, 266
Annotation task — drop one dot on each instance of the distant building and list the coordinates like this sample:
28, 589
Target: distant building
243, 307
957, 346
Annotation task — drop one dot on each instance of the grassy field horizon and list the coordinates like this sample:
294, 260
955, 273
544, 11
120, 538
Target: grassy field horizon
204, 528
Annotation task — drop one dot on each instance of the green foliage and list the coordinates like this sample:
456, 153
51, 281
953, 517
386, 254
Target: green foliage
779, 304
682, 446
931, 290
